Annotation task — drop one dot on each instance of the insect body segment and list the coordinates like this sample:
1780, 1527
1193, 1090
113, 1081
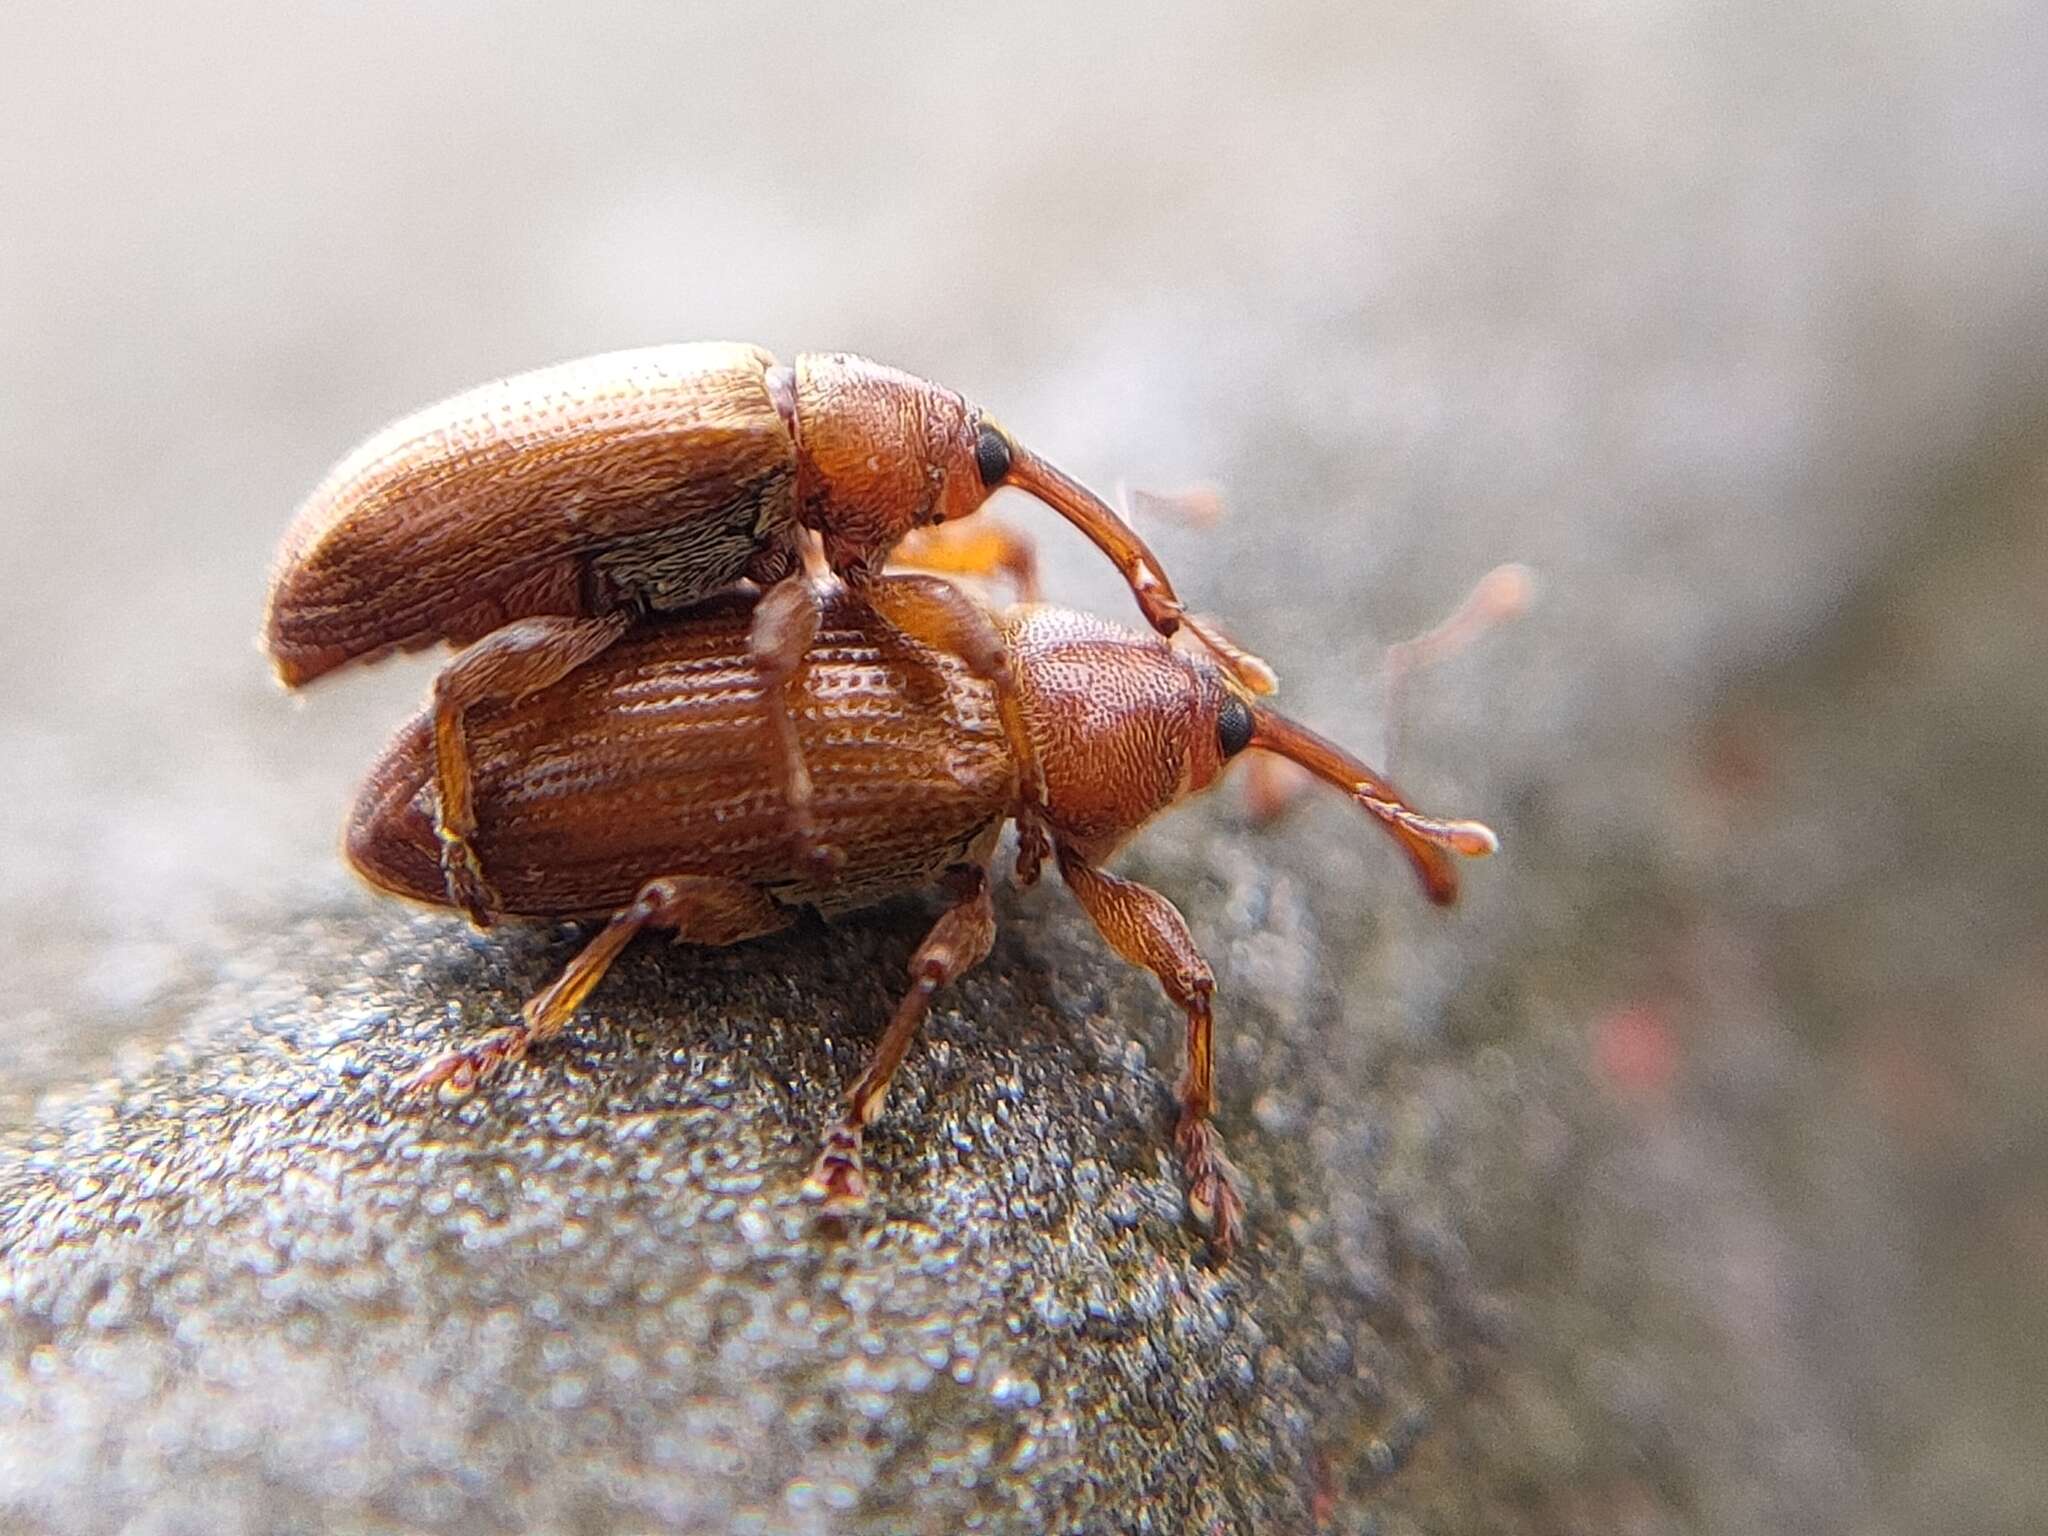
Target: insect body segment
635, 789
577, 499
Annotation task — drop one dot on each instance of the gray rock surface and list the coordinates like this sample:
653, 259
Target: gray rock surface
242, 1285
1687, 1178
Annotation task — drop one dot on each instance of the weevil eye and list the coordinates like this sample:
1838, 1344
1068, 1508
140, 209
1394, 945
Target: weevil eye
991, 455
1233, 725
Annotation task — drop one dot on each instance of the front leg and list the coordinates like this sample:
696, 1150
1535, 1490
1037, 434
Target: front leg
507, 664
979, 548
958, 942
1144, 927
939, 615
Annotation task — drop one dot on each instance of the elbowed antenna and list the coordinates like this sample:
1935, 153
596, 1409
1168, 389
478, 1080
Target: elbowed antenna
1427, 840
1118, 540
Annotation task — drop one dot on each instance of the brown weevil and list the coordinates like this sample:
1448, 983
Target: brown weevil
636, 791
535, 519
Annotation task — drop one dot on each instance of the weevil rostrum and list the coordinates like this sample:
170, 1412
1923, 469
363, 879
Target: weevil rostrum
535, 519
636, 791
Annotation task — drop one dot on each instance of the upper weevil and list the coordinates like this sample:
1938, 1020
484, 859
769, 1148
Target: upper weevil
541, 515
636, 791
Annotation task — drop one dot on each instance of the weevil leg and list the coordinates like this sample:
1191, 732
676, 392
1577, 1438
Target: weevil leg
958, 942
1146, 929
939, 615
1506, 592
1033, 844
976, 547
784, 625
1272, 784
701, 909
508, 663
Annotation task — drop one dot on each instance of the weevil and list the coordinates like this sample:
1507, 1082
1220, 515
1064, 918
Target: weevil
533, 520
635, 792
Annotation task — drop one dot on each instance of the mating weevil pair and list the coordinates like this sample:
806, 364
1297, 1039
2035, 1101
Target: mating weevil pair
687, 772
542, 515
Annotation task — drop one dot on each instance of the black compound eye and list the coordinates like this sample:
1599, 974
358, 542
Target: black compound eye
1233, 725
991, 455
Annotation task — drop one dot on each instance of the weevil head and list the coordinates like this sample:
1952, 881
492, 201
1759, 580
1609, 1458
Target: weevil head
880, 452
1125, 725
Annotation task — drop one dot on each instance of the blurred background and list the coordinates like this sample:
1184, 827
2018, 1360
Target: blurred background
1728, 319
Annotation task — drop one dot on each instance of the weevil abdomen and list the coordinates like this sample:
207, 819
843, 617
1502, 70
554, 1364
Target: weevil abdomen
644, 479
657, 760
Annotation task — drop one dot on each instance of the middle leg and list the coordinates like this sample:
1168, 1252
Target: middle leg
958, 942
938, 614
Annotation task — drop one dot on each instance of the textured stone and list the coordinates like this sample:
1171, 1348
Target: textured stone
242, 1283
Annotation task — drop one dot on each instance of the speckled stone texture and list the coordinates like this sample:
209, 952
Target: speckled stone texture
241, 1284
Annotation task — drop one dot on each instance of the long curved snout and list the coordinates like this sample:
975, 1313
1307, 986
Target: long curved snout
1135, 562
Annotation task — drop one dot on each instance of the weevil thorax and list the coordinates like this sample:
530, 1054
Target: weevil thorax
1125, 725
880, 452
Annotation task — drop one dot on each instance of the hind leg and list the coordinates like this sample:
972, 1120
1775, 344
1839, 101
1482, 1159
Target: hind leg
509, 663
701, 910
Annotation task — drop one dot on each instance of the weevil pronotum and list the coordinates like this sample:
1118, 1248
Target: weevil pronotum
541, 515
635, 790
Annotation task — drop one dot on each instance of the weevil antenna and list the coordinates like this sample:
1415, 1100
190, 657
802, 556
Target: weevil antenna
1118, 540
1429, 841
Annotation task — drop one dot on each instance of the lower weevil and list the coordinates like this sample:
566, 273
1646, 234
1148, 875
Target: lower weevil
636, 791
